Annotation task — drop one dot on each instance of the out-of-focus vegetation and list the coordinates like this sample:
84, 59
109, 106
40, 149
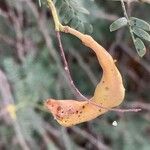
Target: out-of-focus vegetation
31, 71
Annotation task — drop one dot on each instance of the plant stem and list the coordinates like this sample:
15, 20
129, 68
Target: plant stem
54, 14
126, 15
124, 10
116, 109
60, 27
67, 68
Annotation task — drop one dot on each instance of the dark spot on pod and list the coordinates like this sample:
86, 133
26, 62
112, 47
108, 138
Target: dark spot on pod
48, 102
65, 120
80, 112
59, 108
59, 117
106, 88
77, 111
62, 112
99, 110
79, 115
83, 106
103, 81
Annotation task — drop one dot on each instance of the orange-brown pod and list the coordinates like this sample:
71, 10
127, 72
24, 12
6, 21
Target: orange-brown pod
109, 92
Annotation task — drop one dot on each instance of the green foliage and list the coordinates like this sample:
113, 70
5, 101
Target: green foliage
72, 12
136, 26
141, 33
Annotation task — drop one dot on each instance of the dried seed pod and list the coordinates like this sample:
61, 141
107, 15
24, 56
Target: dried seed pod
109, 92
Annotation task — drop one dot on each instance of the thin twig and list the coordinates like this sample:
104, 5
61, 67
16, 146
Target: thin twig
116, 109
144, 106
126, 15
67, 68
124, 9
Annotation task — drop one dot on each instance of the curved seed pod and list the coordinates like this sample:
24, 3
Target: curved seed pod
110, 89
108, 93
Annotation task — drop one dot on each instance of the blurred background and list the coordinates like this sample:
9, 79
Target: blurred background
31, 71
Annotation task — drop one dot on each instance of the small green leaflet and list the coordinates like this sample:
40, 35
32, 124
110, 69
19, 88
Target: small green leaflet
118, 24
88, 28
68, 16
139, 23
140, 47
75, 22
59, 4
141, 33
78, 6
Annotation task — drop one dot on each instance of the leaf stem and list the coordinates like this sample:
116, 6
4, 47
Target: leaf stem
124, 10
127, 17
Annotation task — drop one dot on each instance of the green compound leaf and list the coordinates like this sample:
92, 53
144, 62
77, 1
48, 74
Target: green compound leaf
68, 16
118, 24
64, 10
59, 4
78, 6
139, 23
141, 33
81, 27
75, 22
140, 47
72, 12
88, 28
